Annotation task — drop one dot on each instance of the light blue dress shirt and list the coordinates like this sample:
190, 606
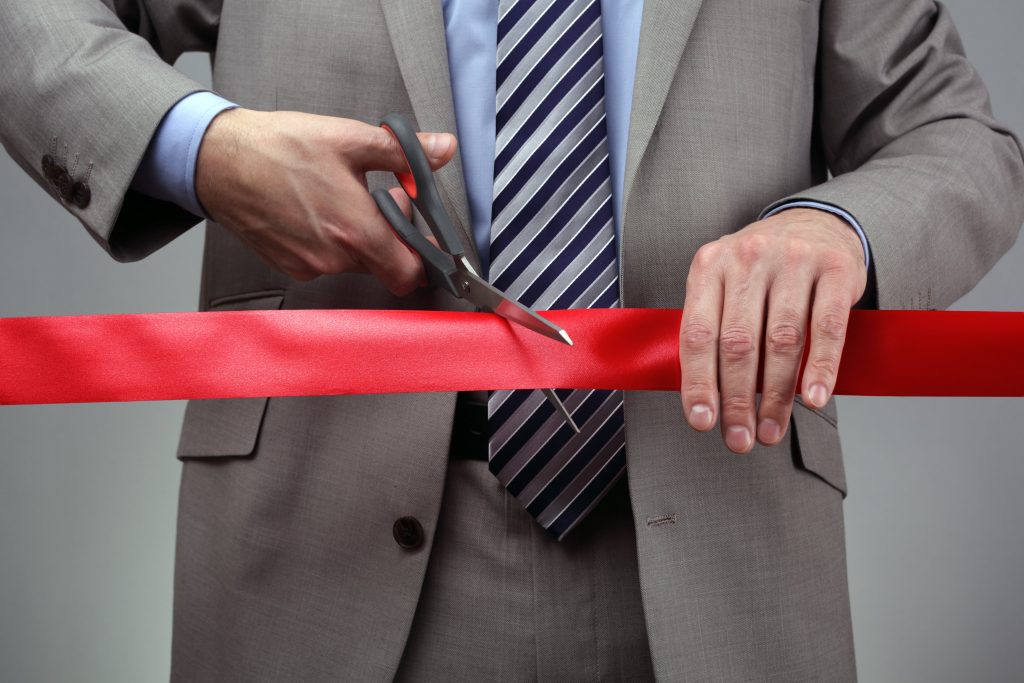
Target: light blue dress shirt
167, 170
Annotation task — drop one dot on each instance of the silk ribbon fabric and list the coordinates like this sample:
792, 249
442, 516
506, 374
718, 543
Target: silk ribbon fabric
162, 356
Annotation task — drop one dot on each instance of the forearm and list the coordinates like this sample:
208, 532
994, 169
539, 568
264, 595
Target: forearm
78, 86
940, 206
936, 182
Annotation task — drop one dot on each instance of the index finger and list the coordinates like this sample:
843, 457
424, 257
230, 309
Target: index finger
698, 344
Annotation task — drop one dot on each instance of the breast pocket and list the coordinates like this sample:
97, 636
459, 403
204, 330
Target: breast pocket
227, 427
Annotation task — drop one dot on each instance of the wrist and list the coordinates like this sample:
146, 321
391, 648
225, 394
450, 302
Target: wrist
218, 152
842, 229
825, 207
845, 232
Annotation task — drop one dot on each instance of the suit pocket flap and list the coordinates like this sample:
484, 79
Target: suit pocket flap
221, 427
817, 449
226, 427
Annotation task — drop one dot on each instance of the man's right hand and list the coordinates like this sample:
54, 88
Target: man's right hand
292, 187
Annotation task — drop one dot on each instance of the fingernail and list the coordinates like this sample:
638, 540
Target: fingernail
738, 439
701, 417
432, 144
769, 431
818, 395
437, 145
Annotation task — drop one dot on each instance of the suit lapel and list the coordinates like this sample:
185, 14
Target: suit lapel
664, 32
417, 35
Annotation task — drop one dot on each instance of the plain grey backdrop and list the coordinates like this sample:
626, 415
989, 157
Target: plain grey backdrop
88, 493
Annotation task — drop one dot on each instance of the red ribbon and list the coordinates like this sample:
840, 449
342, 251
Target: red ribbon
288, 353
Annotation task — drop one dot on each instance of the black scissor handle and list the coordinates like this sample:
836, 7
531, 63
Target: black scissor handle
418, 183
440, 267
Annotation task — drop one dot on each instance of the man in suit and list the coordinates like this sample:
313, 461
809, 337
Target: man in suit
770, 164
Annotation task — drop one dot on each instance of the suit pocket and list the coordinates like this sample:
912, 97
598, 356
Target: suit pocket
227, 427
816, 447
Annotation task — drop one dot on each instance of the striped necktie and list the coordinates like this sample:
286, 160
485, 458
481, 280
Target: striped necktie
553, 247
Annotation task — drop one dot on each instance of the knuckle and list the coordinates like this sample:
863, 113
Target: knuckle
831, 326
697, 335
738, 404
698, 387
373, 137
386, 145
784, 337
750, 248
776, 401
352, 139
796, 252
737, 343
821, 366
365, 141
707, 255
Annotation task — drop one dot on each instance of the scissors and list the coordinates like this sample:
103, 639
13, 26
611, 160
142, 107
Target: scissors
446, 265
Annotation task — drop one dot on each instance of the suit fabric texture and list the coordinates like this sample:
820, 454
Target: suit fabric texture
504, 600
287, 567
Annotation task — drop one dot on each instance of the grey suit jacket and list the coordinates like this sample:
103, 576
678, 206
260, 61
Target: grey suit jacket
286, 566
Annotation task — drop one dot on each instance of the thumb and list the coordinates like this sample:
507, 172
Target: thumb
380, 150
439, 148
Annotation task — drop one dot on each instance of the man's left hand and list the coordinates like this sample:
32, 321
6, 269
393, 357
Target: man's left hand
762, 287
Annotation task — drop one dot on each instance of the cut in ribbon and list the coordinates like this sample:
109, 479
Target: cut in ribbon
233, 354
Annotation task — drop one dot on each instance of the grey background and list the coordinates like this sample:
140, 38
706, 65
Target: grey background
88, 493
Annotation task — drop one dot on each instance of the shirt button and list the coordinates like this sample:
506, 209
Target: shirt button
408, 533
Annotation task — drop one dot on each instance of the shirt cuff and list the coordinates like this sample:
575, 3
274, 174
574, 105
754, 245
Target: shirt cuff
168, 168
835, 211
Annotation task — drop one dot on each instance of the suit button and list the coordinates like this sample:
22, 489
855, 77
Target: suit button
408, 532
48, 166
62, 181
80, 194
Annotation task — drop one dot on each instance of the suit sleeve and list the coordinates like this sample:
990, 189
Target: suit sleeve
84, 86
906, 128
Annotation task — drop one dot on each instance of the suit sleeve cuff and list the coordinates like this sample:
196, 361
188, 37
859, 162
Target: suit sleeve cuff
168, 168
830, 208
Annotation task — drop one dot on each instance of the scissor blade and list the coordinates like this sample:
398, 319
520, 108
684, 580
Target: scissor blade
560, 407
484, 295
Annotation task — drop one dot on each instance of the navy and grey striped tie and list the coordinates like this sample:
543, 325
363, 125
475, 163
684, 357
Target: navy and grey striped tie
553, 247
